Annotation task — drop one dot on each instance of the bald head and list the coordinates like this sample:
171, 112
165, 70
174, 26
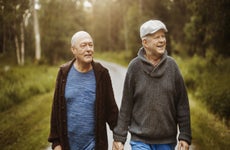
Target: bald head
78, 36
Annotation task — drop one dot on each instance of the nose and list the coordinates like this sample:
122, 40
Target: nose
89, 47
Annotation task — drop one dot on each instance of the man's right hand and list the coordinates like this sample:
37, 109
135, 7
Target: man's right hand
58, 147
117, 146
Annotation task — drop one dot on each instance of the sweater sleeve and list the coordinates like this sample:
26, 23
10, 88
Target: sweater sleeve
111, 106
53, 136
183, 110
124, 118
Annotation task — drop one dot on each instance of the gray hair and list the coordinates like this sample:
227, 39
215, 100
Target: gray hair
79, 35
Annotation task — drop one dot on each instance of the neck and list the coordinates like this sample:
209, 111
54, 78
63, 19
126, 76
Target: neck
82, 67
153, 60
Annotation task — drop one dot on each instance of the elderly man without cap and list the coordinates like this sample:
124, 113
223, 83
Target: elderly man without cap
83, 101
154, 101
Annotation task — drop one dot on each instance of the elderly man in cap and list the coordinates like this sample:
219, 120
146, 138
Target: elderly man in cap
155, 101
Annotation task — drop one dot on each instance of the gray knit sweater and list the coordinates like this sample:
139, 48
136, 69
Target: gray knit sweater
154, 103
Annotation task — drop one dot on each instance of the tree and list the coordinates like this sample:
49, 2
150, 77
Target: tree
14, 15
35, 8
209, 26
57, 27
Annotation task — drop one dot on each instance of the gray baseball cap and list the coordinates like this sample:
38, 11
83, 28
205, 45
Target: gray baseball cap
151, 27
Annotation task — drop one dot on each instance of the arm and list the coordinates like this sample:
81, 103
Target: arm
124, 118
111, 106
183, 111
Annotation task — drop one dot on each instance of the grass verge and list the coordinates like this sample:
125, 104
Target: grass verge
26, 125
207, 130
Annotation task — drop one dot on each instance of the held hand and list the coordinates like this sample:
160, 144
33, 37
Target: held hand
183, 145
58, 147
117, 146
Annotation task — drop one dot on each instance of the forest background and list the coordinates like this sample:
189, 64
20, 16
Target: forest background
36, 35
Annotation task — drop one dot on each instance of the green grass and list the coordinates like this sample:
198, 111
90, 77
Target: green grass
19, 83
209, 133
25, 104
26, 125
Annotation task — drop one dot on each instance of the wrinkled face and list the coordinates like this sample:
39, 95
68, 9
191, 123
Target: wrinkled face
83, 49
155, 44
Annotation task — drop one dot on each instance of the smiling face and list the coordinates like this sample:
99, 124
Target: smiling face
155, 44
83, 48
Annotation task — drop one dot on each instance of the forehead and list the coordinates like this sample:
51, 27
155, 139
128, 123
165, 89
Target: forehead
83, 39
86, 39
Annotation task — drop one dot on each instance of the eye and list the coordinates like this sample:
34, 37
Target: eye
83, 45
90, 44
156, 37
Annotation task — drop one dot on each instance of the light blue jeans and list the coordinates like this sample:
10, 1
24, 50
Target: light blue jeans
136, 145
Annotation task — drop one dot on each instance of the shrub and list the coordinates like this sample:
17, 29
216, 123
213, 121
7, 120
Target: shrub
208, 79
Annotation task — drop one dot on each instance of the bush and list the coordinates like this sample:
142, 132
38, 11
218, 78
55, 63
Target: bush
214, 86
209, 80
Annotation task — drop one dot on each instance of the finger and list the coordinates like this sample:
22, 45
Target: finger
179, 146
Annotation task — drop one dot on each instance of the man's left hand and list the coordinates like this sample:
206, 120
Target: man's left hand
183, 145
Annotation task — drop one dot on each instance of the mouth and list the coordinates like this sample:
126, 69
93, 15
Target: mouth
161, 46
88, 55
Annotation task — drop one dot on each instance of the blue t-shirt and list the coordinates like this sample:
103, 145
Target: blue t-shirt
80, 93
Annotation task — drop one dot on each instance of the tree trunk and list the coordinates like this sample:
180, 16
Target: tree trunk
17, 49
22, 44
37, 36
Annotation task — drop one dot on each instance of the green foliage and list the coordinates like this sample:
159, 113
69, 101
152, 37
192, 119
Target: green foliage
114, 25
207, 131
12, 13
20, 83
208, 30
132, 29
214, 86
58, 24
25, 126
209, 80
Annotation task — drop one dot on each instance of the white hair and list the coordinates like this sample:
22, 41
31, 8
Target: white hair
79, 35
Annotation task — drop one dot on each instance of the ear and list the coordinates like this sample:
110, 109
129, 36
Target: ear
72, 49
144, 42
